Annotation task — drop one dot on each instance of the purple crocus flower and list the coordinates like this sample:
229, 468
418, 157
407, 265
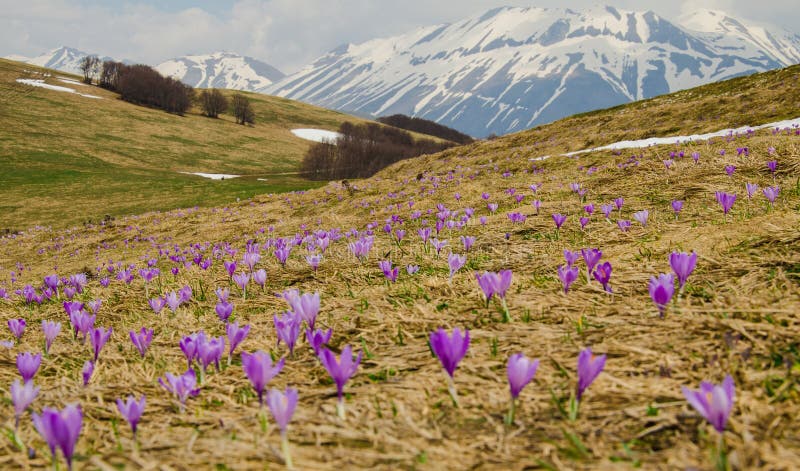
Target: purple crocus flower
142, 340
589, 366
241, 280
224, 310
449, 349
661, 290
567, 275
591, 257
282, 254
185, 294
772, 165
28, 364
725, 200
570, 257
729, 169
94, 305
99, 337
86, 372
230, 267
492, 207
677, 206
305, 305
641, 217
318, 338
583, 221
751, 188
259, 370
559, 220
468, 242
182, 387
60, 429
190, 345
618, 202
314, 260
683, 265
22, 395
282, 405
17, 327
173, 301
603, 275
624, 225
51, 330
157, 304
222, 294
131, 410
714, 402
260, 277
210, 351
287, 328
771, 192
455, 262
341, 370
606, 209
236, 336
520, 372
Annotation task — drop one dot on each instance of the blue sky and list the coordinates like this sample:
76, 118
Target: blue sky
285, 33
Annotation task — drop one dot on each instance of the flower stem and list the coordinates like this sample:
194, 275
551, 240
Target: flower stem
451, 388
340, 408
512, 408
506, 314
287, 457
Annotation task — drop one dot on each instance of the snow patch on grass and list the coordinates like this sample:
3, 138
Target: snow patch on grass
317, 135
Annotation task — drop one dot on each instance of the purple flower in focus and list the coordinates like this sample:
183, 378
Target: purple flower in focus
141, 340
223, 310
589, 367
28, 364
641, 217
771, 192
341, 370
603, 275
287, 328
17, 327
182, 387
683, 265
729, 169
318, 338
677, 206
725, 200
661, 290
559, 220
567, 275
714, 402
131, 410
236, 336
450, 349
520, 372
99, 337
751, 189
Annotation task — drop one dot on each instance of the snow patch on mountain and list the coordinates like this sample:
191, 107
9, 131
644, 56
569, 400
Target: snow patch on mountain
221, 70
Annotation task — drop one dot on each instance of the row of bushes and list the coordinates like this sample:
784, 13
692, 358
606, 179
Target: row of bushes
425, 126
143, 85
362, 150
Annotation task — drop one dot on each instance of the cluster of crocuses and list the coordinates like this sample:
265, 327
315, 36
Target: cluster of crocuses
172, 299
662, 287
569, 272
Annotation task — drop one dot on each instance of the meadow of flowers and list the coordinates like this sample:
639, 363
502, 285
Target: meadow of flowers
487, 310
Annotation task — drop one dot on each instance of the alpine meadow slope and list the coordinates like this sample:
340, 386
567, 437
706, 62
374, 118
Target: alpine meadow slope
514, 68
696, 282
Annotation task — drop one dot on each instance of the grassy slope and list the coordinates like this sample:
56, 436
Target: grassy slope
68, 158
738, 315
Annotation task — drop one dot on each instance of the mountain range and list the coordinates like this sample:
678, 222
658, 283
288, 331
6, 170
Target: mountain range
505, 70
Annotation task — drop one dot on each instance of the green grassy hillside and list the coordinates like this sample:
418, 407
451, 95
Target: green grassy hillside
67, 158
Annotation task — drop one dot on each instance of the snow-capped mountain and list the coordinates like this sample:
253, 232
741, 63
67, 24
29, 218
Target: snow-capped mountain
513, 68
65, 59
221, 70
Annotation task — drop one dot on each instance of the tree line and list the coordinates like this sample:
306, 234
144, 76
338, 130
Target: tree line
143, 85
362, 150
425, 126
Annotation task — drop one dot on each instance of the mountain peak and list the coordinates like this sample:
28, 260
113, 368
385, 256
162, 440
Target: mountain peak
221, 69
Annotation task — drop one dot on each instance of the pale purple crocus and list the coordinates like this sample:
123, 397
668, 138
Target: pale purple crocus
618, 202
641, 217
583, 221
729, 169
260, 370
87, 371
236, 336
412, 269
567, 275
683, 265
623, 225
17, 327
131, 410
173, 301
223, 310
28, 364
468, 242
157, 304
606, 209
751, 188
181, 387
99, 337
725, 200
282, 405
314, 260
455, 262
141, 340
772, 165
318, 338
496, 284
770, 193
570, 257
241, 280
210, 351
589, 367
22, 396
260, 277
341, 371
305, 305
520, 372
60, 429
591, 257
714, 402
51, 330
661, 290
287, 328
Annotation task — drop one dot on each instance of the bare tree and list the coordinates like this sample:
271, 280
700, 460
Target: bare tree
242, 110
213, 103
90, 66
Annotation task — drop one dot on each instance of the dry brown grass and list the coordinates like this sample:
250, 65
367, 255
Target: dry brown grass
738, 317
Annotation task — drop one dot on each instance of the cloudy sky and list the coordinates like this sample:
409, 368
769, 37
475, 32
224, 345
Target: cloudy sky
285, 33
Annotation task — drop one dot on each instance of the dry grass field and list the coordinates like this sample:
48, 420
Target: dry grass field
737, 315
